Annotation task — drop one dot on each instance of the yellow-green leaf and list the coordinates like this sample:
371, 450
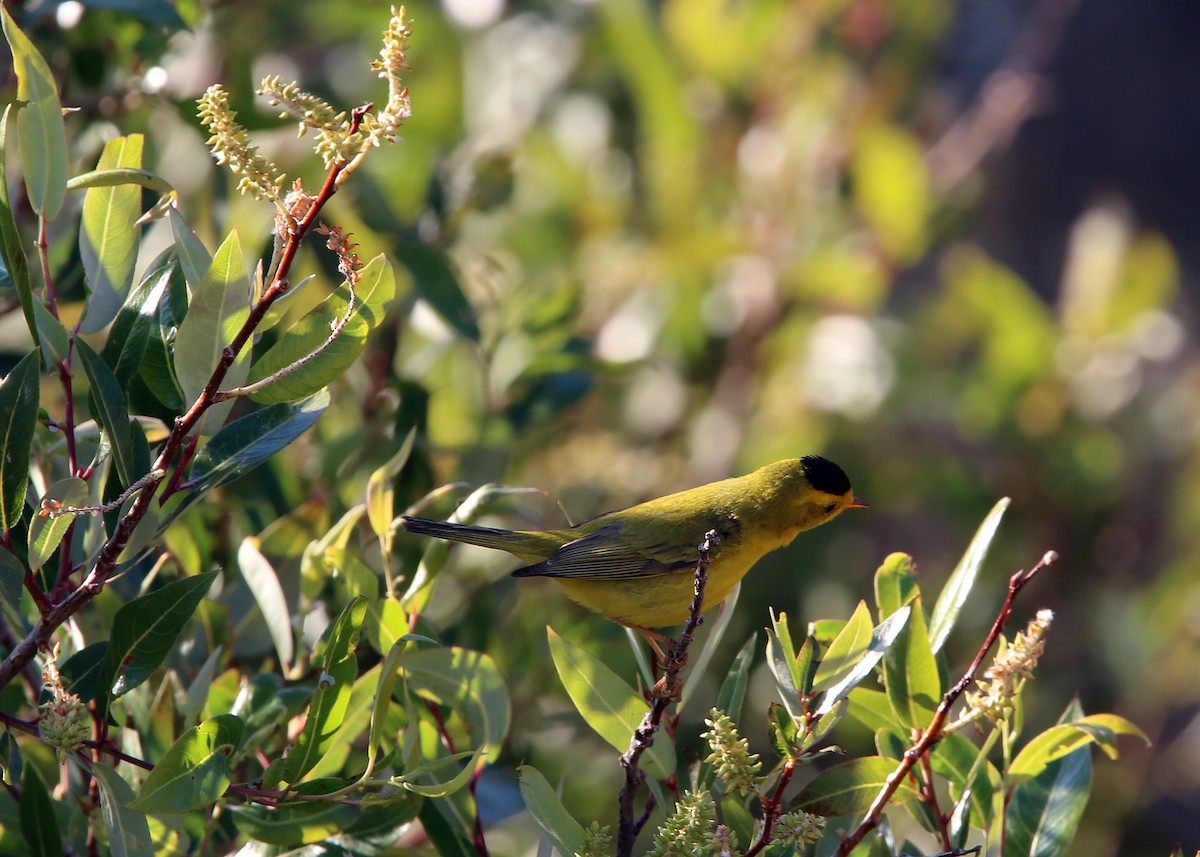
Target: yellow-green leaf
108, 235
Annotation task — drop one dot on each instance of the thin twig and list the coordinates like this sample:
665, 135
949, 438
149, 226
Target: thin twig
771, 808
934, 732
664, 693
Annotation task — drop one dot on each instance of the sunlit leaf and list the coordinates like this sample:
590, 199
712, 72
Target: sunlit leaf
263, 583
54, 339
373, 293
108, 235
380, 495
958, 587
195, 771
422, 780
891, 189
1064, 739
12, 251
40, 128
146, 628
1043, 813
18, 418
468, 682
910, 673
128, 832
846, 649
882, 637
565, 833
219, 307
955, 758
895, 584
607, 703
46, 533
193, 255
851, 787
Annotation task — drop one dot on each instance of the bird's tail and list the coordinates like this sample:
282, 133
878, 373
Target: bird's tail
528, 545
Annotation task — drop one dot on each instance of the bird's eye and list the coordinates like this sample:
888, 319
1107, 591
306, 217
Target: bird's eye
829, 507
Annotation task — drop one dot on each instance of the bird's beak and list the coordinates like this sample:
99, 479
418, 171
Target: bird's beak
858, 504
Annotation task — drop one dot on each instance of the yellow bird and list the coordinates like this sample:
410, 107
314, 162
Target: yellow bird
636, 565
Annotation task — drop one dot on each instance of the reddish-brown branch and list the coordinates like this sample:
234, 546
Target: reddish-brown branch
933, 733
771, 807
665, 692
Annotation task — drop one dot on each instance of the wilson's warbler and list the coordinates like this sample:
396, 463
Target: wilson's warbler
636, 566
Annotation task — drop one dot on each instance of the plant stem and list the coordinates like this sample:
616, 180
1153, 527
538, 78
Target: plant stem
934, 732
663, 694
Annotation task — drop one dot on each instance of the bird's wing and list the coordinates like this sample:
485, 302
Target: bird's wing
606, 555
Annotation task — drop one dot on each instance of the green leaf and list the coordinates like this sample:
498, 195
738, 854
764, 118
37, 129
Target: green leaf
128, 832
851, 787
193, 255
910, 672
109, 235
263, 583
12, 579
565, 833
161, 12
248, 441
420, 780
198, 688
712, 641
130, 334
470, 684
45, 533
1044, 812
40, 128
380, 494
18, 418
146, 628
36, 810
846, 649
891, 189
108, 401
958, 760
12, 251
332, 696
607, 703
1064, 739
958, 587
384, 686
782, 732
733, 688
54, 339
374, 291
81, 672
882, 637
435, 281
219, 307
447, 840
119, 176
195, 771
294, 823
895, 584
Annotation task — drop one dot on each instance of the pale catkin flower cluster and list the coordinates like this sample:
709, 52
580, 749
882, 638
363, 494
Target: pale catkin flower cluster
1011, 667
392, 62
731, 755
230, 144
599, 842
799, 828
64, 723
688, 832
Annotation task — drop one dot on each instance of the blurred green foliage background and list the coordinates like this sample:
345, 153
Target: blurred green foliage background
647, 245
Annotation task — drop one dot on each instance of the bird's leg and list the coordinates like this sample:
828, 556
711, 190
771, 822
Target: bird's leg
668, 684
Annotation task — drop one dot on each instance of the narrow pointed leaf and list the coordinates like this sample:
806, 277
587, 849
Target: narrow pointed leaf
263, 583
111, 412
565, 833
296, 823
882, 637
193, 255
118, 176
1066, 738
733, 689
12, 579
54, 339
421, 780
850, 787
45, 533
958, 587
712, 640
219, 307
1044, 812
248, 441
468, 682
128, 832
957, 760
195, 770
40, 128
12, 251
146, 628
18, 418
130, 334
846, 649
911, 675
372, 295
607, 703
895, 584
437, 283
380, 495
109, 236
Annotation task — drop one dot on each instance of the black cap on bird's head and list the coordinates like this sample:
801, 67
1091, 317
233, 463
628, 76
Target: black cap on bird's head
824, 475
